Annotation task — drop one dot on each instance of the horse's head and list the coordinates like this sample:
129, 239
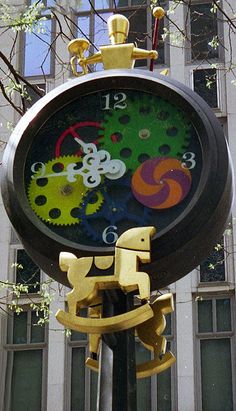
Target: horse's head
136, 238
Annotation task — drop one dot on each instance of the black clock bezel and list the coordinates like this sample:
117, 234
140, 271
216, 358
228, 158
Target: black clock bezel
178, 248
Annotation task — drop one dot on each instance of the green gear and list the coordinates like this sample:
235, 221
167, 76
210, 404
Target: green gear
131, 135
54, 199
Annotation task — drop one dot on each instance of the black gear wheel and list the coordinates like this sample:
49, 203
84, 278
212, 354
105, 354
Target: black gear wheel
119, 207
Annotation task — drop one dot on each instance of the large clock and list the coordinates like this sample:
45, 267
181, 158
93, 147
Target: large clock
115, 150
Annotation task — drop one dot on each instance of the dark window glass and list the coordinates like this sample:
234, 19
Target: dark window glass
37, 331
213, 268
144, 384
203, 78
27, 272
93, 391
32, 95
205, 319
203, 29
216, 375
138, 31
76, 335
20, 328
26, 384
78, 379
223, 314
167, 330
164, 390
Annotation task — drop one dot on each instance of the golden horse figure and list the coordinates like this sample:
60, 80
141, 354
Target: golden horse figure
150, 335
132, 247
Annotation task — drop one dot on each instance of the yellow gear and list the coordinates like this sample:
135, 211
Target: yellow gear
56, 200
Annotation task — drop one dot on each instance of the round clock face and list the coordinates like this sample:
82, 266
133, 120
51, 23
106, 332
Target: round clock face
115, 150
112, 160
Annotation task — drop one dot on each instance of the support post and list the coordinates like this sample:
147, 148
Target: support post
117, 373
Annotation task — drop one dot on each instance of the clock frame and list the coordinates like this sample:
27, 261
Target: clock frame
178, 246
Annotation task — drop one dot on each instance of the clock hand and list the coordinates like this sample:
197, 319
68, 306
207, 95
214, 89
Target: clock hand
87, 147
94, 165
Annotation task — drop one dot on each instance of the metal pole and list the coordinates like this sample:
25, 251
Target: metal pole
117, 373
154, 42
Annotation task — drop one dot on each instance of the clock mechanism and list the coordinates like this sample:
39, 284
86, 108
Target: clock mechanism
122, 161
112, 151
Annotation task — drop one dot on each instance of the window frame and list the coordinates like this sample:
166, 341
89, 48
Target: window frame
70, 345
220, 33
228, 283
220, 110
10, 348
225, 268
23, 299
127, 8
153, 386
199, 336
22, 50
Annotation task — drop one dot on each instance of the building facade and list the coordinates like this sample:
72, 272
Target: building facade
42, 368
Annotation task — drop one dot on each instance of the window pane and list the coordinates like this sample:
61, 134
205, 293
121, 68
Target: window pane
27, 271
223, 314
37, 51
164, 390
84, 5
83, 26
167, 330
51, 3
26, 385
138, 30
213, 268
101, 36
93, 391
205, 323
20, 328
138, 2
102, 4
33, 96
203, 29
200, 78
37, 331
47, 3
122, 3
216, 375
144, 384
76, 335
78, 379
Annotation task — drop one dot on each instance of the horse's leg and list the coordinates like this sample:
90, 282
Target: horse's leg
81, 295
72, 301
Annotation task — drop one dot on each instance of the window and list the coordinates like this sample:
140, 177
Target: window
92, 25
215, 354
26, 355
80, 376
153, 393
157, 392
32, 95
37, 59
27, 272
204, 31
213, 268
205, 84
